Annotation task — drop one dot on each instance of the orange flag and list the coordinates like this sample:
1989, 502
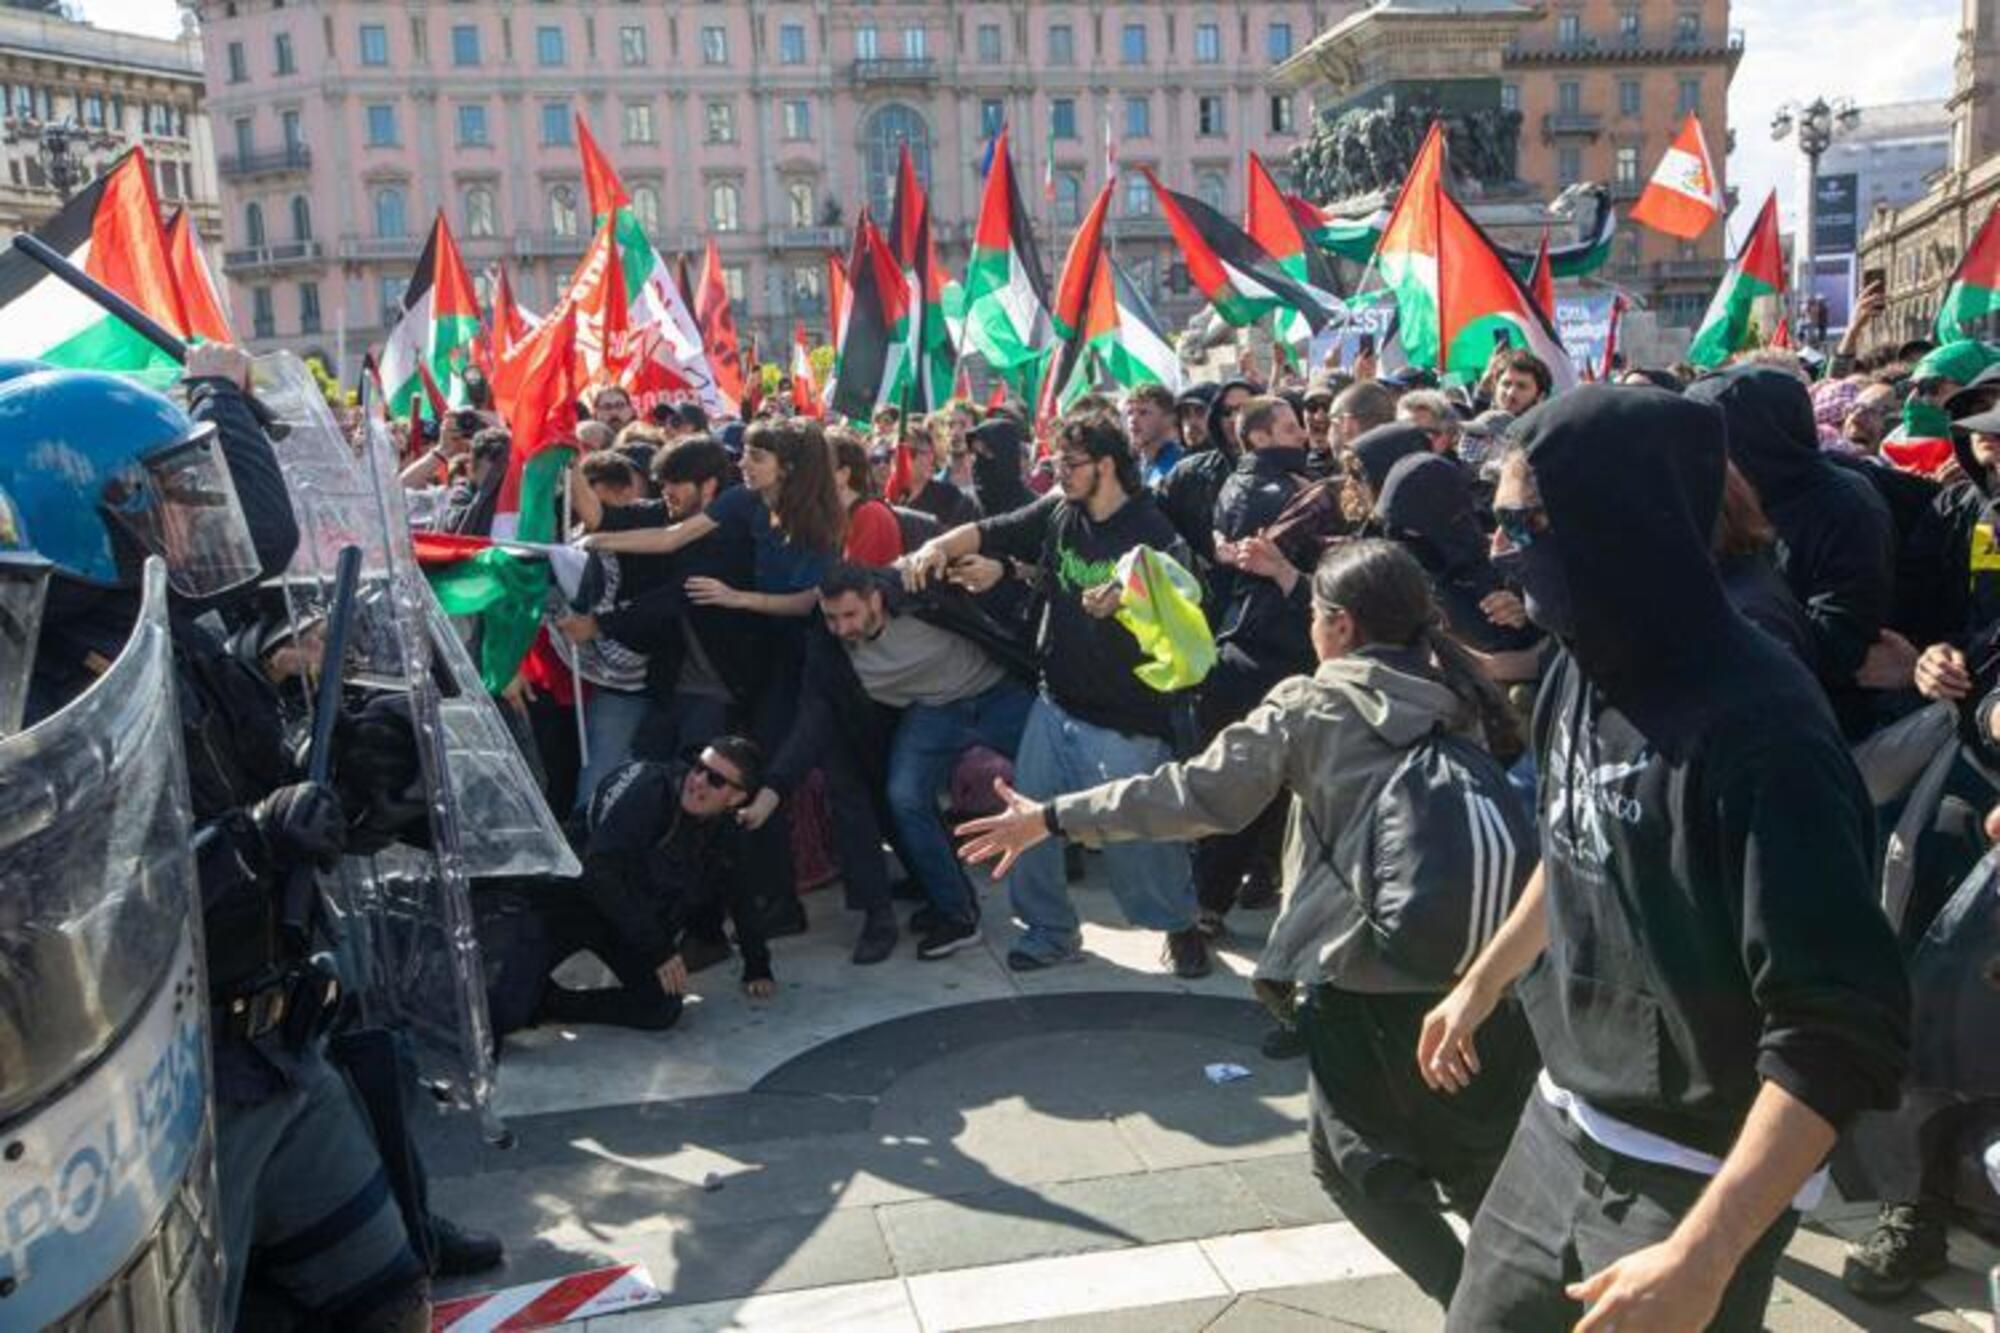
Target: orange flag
199, 298
1684, 196
718, 327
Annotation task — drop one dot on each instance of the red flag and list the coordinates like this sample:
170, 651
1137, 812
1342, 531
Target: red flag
1611, 337
1683, 197
509, 325
836, 298
600, 180
536, 386
1782, 335
718, 326
438, 403
805, 387
199, 299
1542, 281
902, 484
998, 398
961, 385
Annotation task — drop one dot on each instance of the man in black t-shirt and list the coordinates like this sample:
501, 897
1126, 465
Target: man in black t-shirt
1094, 719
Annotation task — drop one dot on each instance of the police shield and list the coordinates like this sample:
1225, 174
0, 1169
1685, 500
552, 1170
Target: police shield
405, 915
107, 1180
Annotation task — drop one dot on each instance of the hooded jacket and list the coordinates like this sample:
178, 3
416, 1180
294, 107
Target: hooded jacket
1380, 448
1253, 613
1706, 840
996, 468
1426, 505
1191, 491
1836, 540
1327, 738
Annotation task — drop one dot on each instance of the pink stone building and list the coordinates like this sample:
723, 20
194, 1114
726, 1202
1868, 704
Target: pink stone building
340, 125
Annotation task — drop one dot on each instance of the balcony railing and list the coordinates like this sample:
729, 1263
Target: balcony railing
808, 238
534, 244
895, 69
1686, 270
292, 157
1572, 124
1139, 228
378, 247
1588, 48
259, 257
1622, 190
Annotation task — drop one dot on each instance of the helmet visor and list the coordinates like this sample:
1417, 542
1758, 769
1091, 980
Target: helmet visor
23, 584
186, 511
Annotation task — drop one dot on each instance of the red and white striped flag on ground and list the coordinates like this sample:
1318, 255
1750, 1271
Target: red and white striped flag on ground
563, 1300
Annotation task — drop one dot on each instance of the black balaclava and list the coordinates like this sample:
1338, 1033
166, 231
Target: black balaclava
1427, 503
1772, 438
996, 466
1382, 447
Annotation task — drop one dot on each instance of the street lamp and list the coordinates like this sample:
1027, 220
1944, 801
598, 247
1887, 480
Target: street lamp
61, 145
1816, 124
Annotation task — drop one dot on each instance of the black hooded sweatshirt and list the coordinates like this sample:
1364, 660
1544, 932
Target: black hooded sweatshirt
1380, 448
1705, 836
1426, 506
1191, 491
1836, 539
997, 487
1251, 612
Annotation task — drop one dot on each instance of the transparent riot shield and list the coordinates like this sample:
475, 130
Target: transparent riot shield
107, 1176
405, 915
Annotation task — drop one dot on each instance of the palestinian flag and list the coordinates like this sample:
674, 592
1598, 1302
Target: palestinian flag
718, 327
1136, 350
805, 390
1270, 222
1758, 275
1084, 311
931, 349
201, 301
1683, 198
1456, 297
1238, 276
1974, 293
439, 325
111, 230
874, 367
1542, 282
535, 386
666, 353
1006, 295
836, 296
1355, 238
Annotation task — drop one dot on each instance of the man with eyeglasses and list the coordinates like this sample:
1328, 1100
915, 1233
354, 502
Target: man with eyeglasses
662, 856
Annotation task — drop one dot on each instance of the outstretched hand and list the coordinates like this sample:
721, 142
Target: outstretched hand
1005, 835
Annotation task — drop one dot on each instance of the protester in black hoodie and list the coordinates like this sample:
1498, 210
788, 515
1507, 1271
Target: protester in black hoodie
997, 486
1835, 533
1191, 490
1426, 505
1719, 992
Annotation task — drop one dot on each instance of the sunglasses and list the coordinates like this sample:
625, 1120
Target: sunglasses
1067, 463
1521, 523
715, 777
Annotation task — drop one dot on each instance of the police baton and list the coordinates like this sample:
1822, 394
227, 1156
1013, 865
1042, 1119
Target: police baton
301, 888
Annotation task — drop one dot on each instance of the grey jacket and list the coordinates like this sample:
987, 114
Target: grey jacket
1328, 738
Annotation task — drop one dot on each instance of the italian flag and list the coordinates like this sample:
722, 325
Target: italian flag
665, 352
1757, 277
931, 350
438, 328
1456, 297
111, 230
1270, 222
1684, 197
874, 367
201, 300
1006, 296
1974, 293
1079, 295
1239, 277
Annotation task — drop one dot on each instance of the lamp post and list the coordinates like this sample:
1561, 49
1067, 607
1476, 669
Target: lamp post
1816, 123
62, 146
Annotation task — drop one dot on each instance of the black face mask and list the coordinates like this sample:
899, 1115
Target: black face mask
1544, 586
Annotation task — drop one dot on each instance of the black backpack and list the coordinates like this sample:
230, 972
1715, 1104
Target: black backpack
1437, 857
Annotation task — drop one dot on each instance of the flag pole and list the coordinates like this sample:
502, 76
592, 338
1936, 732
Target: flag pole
575, 653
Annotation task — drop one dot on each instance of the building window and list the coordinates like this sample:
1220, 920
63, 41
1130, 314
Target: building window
631, 46
389, 293
1569, 97
479, 216
1281, 114
374, 44
720, 120
1690, 96
799, 203
1132, 44
239, 64
1628, 26
390, 221
882, 142
1208, 120
1510, 97
1628, 97
1138, 197
246, 141
302, 219
549, 47
93, 111
808, 287
914, 46
992, 115
989, 44
714, 46
866, 46
638, 122
1278, 42
562, 210
1569, 165
798, 119
281, 48
1138, 118
308, 307
1069, 199
381, 125
1207, 44
263, 323
555, 124
1687, 28
792, 44
725, 204
1569, 29
253, 225
289, 132
1062, 44
464, 45
1209, 187
472, 127
646, 208
1062, 117
1625, 166
732, 283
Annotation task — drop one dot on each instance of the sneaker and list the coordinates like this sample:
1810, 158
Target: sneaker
1258, 892
878, 939
945, 938
1187, 952
458, 1251
1211, 924
1906, 1246
1020, 960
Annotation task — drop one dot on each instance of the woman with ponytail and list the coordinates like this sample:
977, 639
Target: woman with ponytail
1391, 1153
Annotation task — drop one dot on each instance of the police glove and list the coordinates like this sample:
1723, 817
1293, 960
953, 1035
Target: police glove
375, 749
303, 824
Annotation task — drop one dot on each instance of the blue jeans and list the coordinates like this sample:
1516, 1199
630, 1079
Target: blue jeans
610, 719
1152, 881
929, 740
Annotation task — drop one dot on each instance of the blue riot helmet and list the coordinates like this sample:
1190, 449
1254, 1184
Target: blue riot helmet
106, 472
24, 583
13, 367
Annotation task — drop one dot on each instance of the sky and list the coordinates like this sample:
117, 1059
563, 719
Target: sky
1869, 50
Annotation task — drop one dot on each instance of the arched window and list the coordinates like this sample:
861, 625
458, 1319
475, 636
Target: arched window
799, 203
302, 219
1069, 199
725, 204
882, 148
646, 207
389, 217
253, 225
1209, 187
479, 219
562, 211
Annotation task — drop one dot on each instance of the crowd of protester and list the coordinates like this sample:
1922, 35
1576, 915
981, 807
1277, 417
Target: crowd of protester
1693, 617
